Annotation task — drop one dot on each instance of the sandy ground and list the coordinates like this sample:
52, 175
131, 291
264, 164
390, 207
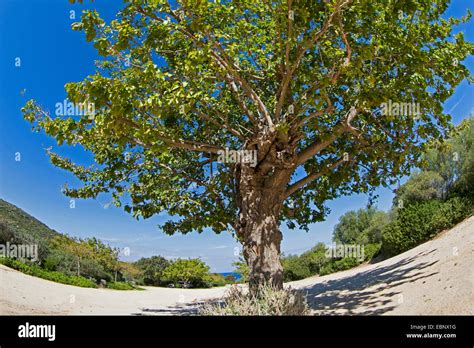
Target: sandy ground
436, 277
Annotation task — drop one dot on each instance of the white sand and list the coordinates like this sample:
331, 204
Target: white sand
436, 277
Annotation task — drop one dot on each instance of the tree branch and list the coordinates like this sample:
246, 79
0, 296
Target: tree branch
318, 146
222, 62
311, 177
176, 143
301, 50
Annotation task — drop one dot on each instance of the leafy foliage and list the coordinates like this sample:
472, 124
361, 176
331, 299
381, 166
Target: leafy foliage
305, 265
180, 82
339, 265
182, 272
453, 160
18, 227
216, 280
152, 269
88, 257
121, 286
58, 277
360, 227
420, 221
423, 186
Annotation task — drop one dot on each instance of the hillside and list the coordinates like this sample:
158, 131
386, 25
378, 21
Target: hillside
436, 277
23, 224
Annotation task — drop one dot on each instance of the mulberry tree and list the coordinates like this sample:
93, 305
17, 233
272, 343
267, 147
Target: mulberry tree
301, 85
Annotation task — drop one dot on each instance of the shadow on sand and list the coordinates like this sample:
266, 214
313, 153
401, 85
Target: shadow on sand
177, 309
373, 290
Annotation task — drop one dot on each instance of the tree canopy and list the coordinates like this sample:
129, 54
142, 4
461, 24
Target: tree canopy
333, 97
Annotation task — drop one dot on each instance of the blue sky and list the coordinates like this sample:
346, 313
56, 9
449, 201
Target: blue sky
38, 32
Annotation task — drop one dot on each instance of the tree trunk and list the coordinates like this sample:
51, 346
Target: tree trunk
262, 251
260, 206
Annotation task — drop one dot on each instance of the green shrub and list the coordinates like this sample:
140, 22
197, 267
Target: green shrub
339, 265
230, 279
360, 227
421, 221
456, 209
268, 302
121, 286
295, 268
216, 280
36, 271
420, 187
371, 250
304, 265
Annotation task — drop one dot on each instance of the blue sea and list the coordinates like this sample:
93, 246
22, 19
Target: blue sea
236, 275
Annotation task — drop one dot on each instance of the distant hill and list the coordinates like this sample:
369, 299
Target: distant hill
23, 224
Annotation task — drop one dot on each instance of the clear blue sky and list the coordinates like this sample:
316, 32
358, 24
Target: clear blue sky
38, 32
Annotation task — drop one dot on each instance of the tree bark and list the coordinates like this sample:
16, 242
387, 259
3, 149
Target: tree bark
261, 250
261, 201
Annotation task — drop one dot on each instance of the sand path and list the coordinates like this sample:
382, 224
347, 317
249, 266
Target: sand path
436, 277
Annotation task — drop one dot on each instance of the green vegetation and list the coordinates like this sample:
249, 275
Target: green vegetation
422, 186
305, 265
152, 269
187, 273
421, 221
18, 227
363, 226
436, 198
36, 271
122, 286
158, 271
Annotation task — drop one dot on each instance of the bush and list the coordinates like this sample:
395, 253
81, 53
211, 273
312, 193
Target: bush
230, 279
269, 302
339, 265
36, 271
216, 280
371, 250
121, 286
420, 187
421, 221
305, 265
295, 268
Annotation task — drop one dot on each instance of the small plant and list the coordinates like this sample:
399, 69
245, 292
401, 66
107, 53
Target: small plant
269, 301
